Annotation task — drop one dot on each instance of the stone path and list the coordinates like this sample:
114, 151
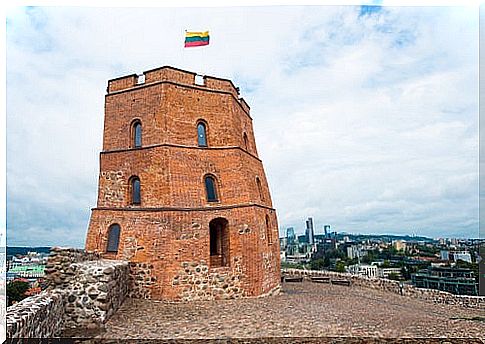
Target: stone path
301, 310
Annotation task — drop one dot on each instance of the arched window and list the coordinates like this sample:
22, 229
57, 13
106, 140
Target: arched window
210, 188
219, 242
136, 134
268, 231
135, 189
246, 143
201, 134
260, 188
113, 238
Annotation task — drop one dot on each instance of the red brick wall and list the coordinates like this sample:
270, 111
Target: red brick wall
169, 230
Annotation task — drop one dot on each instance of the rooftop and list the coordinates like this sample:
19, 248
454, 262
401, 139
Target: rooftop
28, 268
301, 310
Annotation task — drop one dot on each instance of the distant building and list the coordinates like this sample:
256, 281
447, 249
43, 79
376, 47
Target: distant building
302, 239
444, 255
283, 243
452, 280
363, 270
28, 271
354, 251
462, 255
326, 230
309, 232
326, 245
385, 272
399, 245
290, 236
297, 258
283, 256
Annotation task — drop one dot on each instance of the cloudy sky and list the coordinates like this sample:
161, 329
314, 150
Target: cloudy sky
366, 118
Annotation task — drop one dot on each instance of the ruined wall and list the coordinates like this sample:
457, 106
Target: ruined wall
96, 292
57, 270
82, 294
397, 287
38, 316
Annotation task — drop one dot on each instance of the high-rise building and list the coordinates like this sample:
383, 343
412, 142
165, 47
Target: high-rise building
182, 192
290, 236
309, 233
326, 230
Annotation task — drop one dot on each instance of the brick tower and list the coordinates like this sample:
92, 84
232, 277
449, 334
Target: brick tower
182, 193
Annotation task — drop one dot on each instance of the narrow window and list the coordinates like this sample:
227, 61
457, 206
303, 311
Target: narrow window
260, 188
210, 188
201, 135
135, 190
246, 144
136, 134
268, 231
113, 238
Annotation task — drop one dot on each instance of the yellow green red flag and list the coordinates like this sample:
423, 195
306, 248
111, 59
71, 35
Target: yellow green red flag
196, 39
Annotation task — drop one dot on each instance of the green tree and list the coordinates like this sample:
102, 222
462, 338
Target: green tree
406, 274
317, 264
394, 276
340, 267
16, 291
386, 264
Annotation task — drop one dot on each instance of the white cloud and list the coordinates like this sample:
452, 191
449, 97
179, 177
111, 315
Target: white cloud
368, 123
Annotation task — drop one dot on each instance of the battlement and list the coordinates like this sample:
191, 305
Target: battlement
175, 75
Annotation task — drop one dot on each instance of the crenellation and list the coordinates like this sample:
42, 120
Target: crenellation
173, 75
121, 83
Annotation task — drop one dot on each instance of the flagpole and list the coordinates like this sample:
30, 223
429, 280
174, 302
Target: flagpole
183, 52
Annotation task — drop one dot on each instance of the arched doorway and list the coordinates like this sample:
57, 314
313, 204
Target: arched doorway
219, 242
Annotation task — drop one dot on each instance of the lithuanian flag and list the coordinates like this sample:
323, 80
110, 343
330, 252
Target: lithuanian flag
196, 39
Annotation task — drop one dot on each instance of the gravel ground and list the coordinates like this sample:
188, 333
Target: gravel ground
301, 310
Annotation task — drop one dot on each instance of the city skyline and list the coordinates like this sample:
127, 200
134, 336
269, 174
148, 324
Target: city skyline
366, 117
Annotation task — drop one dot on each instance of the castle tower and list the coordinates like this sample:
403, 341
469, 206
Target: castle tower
182, 193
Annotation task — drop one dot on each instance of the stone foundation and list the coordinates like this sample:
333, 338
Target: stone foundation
436, 296
198, 282
141, 280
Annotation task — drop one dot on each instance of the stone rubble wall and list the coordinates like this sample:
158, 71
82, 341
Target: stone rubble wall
97, 290
38, 316
198, 282
436, 296
84, 292
57, 271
